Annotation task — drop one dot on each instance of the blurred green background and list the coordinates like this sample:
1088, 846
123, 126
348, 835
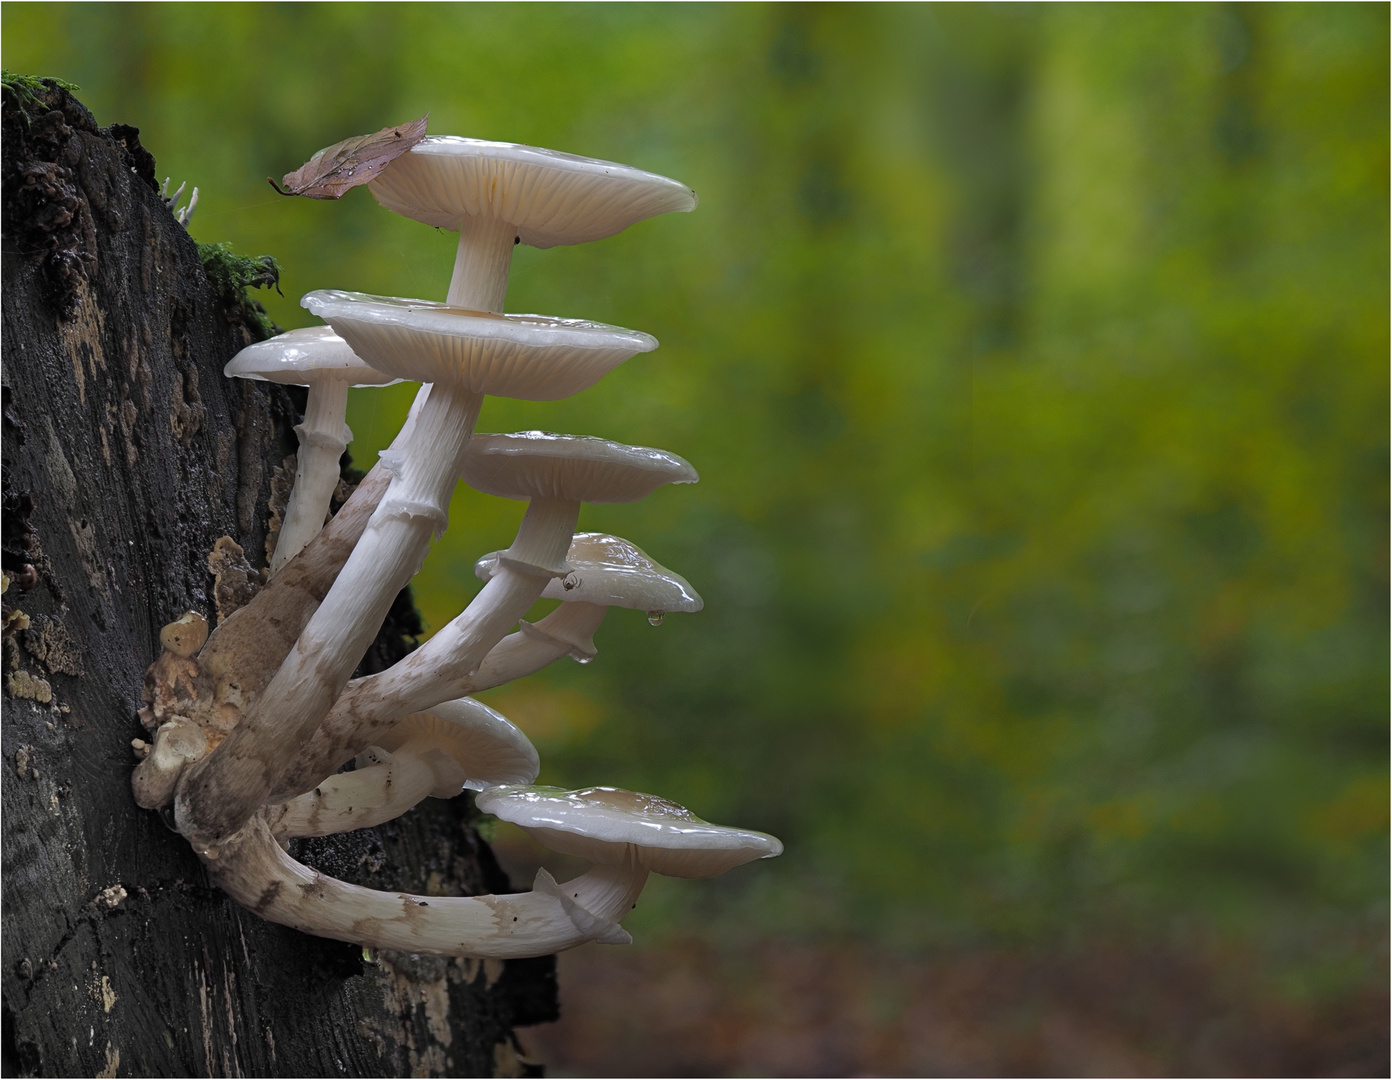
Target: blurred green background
1035, 363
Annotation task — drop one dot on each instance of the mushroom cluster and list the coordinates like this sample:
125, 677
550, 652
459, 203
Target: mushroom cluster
251, 726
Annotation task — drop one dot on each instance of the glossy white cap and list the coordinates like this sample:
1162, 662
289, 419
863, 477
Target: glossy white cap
548, 197
300, 357
540, 465
532, 357
608, 571
482, 746
613, 826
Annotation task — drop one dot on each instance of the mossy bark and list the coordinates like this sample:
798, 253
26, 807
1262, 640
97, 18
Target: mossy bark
127, 456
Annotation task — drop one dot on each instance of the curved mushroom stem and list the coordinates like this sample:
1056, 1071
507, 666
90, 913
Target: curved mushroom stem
323, 438
428, 676
220, 793
481, 263
567, 631
362, 715
609, 891
358, 799
249, 646
253, 869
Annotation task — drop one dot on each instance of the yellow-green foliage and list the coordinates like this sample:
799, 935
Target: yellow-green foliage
1035, 363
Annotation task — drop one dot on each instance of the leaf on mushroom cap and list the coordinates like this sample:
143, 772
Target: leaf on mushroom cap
611, 825
540, 465
549, 197
611, 572
484, 746
532, 357
339, 168
297, 357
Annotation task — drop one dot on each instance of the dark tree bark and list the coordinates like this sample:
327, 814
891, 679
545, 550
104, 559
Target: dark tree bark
127, 455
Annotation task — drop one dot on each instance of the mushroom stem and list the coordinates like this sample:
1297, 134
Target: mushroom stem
608, 891
323, 438
248, 646
219, 794
358, 799
567, 631
429, 675
360, 716
253, 869
481, 263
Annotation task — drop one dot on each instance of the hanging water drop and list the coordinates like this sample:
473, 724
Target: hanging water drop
580, 658
655, 617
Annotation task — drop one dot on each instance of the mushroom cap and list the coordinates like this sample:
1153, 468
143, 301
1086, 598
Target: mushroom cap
303, 357
482, 746
611, 825
549, 197
540, 465
611, 572
532, 357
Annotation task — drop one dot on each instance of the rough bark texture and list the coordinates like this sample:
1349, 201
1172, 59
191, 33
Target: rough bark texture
126, 456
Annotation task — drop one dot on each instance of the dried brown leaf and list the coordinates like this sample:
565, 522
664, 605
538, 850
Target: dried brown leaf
344, 165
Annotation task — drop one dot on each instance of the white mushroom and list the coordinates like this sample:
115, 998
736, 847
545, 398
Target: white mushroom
463, 357
498, 194
608, 571
318, 358
454, 746
555, 473
626, 834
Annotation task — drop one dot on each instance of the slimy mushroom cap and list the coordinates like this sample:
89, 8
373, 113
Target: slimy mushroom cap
611, 572
479, 747
540, 465
532, 357
297, 357
613, 826
548, 197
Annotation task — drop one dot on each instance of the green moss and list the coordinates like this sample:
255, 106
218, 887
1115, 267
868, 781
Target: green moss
26, 89
231, 275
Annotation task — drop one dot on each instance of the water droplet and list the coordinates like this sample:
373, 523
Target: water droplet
579, 659
655, 617
572, 581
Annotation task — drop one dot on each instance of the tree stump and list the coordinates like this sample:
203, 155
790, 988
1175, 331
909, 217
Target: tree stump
127, 456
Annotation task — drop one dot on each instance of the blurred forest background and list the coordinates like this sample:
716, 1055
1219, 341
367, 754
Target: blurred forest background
1035, 361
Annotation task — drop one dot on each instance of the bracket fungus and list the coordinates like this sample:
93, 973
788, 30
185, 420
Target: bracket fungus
250, 722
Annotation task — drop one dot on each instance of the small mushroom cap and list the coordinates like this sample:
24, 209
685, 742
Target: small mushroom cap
300, 357
611, 825
611, 572
483, 747
532, 357
539, 465
549, 197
